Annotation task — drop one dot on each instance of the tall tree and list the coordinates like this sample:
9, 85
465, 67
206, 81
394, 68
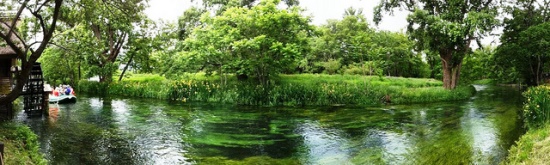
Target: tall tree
259, 42
44, 15
110, 23
346, 40
511, 55
447, 27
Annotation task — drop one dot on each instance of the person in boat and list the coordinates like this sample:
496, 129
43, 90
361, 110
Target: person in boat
72, 91
55, 92
68, 90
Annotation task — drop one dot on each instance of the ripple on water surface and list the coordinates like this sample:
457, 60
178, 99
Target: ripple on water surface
99, 130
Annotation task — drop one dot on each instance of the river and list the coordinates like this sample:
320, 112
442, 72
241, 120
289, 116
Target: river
116, 130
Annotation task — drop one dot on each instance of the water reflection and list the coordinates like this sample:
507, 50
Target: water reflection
99, 130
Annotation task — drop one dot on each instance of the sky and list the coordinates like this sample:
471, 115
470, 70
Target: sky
320, 10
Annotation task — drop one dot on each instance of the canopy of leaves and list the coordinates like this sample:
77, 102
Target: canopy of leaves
445, 26
107, 26
519, 54
260, 41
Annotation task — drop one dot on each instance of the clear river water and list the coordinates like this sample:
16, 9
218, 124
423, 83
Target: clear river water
117, 130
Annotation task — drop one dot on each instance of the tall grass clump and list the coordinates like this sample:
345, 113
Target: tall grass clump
291, 90
92, 87
536, 109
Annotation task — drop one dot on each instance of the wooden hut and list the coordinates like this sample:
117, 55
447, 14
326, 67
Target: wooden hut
8, 62
8, 59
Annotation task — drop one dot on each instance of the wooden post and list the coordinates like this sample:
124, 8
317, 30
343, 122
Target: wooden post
45, 102
1, 153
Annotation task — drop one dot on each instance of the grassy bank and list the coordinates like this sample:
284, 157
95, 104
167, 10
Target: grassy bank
21, 144
534, 146
303, 89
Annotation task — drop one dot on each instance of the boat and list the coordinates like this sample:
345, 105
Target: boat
62, 99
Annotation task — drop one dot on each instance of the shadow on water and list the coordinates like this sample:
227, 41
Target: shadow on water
99, 130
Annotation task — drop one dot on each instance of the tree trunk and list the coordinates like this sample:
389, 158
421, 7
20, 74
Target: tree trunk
447, 71
126, 67
456, 74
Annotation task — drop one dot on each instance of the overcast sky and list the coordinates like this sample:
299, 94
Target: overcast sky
320, 10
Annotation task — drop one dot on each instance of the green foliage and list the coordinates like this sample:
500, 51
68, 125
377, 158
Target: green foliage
102, 29
520, 57
528, 54
536, 110
347, 40
478, 65
261, 41
60, 66
331, 66
21, 144
290, 90
353, 44
445, 27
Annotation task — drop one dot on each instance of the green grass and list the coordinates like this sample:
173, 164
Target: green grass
21, 144
291, 90
534, 146
531, 148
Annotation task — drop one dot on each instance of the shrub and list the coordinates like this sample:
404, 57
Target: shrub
536, 110
21, 144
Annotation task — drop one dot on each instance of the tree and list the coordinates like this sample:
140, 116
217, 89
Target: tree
479, 64
533, 49
511, 56
219, 6
110, 24
395, 52
259, 42
447, 27
346, 41
44, 16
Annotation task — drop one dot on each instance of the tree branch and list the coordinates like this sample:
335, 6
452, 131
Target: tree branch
14, 21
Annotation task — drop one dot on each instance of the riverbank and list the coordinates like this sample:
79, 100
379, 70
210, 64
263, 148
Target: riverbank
21, 144
287, 90
533, 147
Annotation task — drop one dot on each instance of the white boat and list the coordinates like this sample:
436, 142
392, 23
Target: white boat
62, 99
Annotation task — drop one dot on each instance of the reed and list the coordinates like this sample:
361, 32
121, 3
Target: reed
287, 90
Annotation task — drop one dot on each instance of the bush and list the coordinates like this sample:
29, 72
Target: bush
21, 144
536, 110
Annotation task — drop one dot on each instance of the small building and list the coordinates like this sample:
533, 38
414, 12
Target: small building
8, 59
8, 64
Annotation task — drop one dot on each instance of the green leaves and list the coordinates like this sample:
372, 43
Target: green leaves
260, 41
447, 27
